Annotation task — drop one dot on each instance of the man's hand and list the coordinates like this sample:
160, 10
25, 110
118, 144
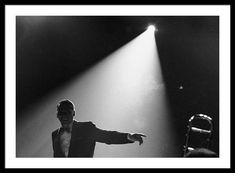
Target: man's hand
136, 137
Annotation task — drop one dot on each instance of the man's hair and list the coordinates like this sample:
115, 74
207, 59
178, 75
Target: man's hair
67, 104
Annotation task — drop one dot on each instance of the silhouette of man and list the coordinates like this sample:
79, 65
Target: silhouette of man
78, 139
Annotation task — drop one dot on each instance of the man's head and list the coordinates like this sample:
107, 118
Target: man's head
65, 112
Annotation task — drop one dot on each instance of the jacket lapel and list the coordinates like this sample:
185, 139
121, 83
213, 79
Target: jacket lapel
57, 144
71, 140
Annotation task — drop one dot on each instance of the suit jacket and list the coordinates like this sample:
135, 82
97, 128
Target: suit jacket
84, 137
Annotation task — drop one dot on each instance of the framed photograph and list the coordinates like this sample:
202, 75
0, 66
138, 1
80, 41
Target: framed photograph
117, 86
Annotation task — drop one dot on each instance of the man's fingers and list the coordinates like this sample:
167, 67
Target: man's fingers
142, 135
140, 141
139, 134
138, 137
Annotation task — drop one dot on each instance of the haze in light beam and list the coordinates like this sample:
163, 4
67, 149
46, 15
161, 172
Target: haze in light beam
124, 92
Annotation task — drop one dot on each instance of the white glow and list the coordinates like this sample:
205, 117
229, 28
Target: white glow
151, 28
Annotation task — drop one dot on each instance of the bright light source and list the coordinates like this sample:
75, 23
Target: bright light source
151, 28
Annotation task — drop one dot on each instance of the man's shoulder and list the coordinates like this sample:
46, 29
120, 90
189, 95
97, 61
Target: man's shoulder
84, 126
84, 123
55, 132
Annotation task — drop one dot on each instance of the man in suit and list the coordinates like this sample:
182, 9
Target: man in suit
78, 139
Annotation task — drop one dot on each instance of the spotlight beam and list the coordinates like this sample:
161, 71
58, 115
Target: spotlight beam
124, 92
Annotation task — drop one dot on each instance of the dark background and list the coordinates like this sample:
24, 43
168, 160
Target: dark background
51, 50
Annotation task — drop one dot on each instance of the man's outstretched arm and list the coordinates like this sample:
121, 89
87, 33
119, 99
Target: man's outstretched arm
115, 137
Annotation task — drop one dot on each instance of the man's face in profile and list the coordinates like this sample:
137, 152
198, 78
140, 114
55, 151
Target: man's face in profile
65, 116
